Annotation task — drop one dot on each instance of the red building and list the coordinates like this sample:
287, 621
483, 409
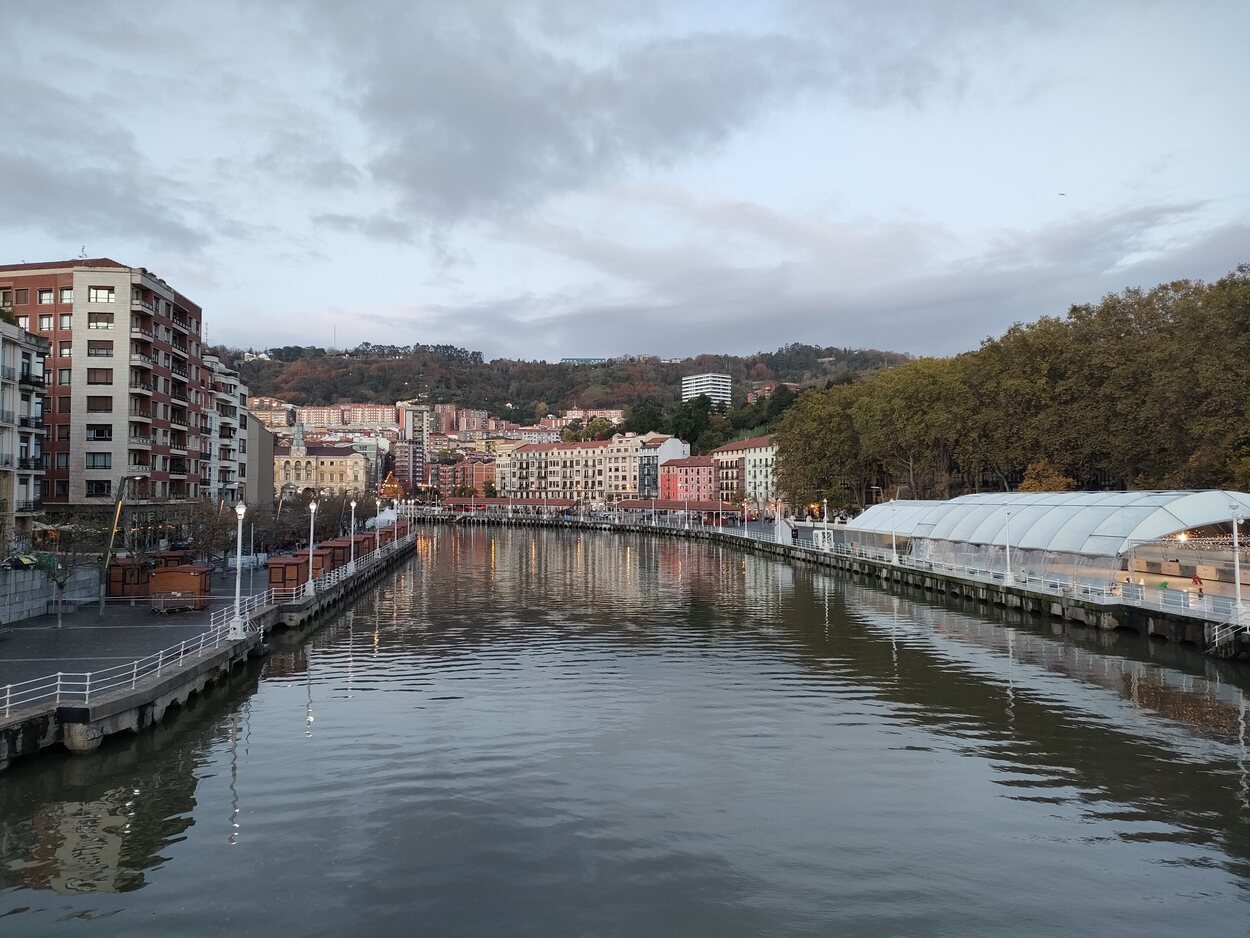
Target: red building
693, 478
472, 473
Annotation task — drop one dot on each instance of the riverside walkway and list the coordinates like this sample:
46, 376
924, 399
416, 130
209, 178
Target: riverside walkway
137, 666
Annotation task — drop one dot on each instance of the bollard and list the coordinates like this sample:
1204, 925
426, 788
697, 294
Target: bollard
134, 674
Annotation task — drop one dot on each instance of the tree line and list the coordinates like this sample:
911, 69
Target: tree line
1145, 389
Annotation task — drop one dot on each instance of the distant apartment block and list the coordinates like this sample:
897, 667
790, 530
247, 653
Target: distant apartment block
275, 414
746, 467
692, 478
719, 388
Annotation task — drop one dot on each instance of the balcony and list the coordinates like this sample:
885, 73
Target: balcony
30, 422
27, 507
178, 369
179, 346
140, 441
178, 448
179, 422
138, 469
178, 469
142, 387
8, 372
140, 330
179, 395
30, 463
30, 379
136, 303
7, 460
181, 323
7, 416
138, 414
143, 361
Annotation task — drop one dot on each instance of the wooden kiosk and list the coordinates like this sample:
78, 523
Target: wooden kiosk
177, 589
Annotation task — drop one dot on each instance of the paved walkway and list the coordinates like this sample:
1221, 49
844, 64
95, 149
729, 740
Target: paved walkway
89, 641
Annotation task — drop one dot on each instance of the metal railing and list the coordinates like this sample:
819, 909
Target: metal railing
83, 686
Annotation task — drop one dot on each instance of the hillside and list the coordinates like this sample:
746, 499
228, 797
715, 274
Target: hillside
521, 389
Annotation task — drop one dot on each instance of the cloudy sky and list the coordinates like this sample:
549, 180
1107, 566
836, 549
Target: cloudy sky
599, 177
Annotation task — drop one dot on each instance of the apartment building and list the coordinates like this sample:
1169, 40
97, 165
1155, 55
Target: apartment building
22, 376
273, 413
717, 387
224, 463
127, 396
369, 415
749, 463
690, 479
575, 471
625, 473
472, 472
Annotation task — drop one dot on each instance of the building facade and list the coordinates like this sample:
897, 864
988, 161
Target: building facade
22, 377
473, 473
127, 393
719, 388
750, 463
690, 479
576, 471
225, 460
273, 413
319, 468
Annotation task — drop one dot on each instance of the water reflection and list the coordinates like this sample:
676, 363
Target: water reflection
700, 739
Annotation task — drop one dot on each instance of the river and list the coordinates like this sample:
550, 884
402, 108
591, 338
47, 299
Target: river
550, 733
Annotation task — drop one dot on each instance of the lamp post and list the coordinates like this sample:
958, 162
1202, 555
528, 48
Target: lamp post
351, 563
1009, 578
653, 511
893, 534
824, 502
1237, 519
311, 590
687, 511
117, 515
236, 624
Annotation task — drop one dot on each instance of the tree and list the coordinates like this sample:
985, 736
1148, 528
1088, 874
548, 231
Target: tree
1044, 476
490, 491
75, 542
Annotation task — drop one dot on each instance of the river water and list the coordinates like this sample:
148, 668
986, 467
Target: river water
545, 733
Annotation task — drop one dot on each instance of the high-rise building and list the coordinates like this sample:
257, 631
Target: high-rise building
717, 387
225, 467
127, 395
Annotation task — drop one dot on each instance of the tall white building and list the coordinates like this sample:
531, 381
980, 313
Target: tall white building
226, 435
717, 387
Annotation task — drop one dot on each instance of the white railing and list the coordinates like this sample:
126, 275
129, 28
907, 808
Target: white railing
82, 687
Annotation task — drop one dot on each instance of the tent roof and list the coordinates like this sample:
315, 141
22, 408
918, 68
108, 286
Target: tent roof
1096, 523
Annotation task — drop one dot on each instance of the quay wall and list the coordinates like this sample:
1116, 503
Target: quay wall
28, 593
81, 728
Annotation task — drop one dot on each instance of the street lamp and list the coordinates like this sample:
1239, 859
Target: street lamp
687, 511
825, 510
1009, 578
351, 563
236, 624
1238, 518
311, 590
893, 534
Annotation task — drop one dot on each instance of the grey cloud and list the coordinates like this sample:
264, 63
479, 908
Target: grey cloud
376, 227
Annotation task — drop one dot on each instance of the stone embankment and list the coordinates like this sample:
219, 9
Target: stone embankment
67, 711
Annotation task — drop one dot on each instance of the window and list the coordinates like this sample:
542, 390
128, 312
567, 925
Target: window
22, 296
6, 297
62, 488
23, 321
65, 349
99, 405
62, 432
62, 376
99, 460
99, 320
99, 488
99, 375
62, 460
67, 320
62, 405
99, 294
99, 432
45, 297
45, 323
67, 294
99, 349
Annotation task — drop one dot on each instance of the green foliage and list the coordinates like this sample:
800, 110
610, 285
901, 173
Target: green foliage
384, 373
1144, 389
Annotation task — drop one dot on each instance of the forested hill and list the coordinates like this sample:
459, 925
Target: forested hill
383, 373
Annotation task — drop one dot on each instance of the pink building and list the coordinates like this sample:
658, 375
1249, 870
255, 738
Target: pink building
693, 478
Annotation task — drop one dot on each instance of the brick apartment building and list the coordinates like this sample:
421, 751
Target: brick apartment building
692, 478
126, 394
